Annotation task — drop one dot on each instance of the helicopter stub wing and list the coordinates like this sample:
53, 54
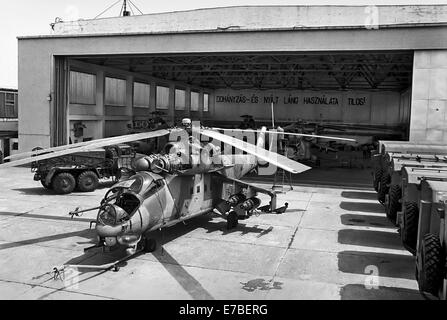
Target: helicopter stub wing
271, 157
74, 148
244, 184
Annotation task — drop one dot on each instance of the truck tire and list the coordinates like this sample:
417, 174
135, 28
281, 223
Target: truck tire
232, 220
409, 230
64, 183
87, 181
383, 187
430, 276
45, 185
377, 176
393, 205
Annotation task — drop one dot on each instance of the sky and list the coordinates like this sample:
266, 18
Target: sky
26, 17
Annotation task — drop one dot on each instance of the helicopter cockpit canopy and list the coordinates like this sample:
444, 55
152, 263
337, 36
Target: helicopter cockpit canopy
124, 198
138, 184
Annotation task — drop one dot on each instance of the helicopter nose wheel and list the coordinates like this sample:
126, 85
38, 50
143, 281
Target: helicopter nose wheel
232, 220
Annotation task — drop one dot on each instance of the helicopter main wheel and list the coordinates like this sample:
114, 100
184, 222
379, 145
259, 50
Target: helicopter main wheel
64, 183
88, 181
149, 245
232, 220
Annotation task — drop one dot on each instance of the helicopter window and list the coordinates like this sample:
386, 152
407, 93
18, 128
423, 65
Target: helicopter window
129, 203
154, 187
137, 184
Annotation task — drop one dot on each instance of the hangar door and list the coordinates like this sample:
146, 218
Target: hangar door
60, 102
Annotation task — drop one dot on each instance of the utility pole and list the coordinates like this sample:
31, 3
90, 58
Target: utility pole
124, 9
124, 12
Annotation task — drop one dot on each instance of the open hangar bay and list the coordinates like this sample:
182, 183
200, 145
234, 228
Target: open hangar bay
93, 79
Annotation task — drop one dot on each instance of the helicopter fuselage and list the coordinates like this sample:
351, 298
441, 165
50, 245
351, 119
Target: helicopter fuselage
149, 201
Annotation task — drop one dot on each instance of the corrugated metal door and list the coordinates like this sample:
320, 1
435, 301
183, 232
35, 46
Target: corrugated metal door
59, 130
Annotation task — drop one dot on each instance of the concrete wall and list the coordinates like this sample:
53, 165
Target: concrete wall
35, 91
378, 108
429, 97
260, 18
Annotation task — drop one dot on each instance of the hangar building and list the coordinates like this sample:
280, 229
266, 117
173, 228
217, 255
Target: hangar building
8, 122
381, 68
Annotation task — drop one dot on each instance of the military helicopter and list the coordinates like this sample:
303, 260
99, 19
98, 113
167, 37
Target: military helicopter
188, 179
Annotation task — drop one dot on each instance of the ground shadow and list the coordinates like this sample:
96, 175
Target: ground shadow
87, 233
183, 277
43, 216
221, 226
98, 258
359, 195
362, 207
88, 258
41, 191
370, 238
167, 235
388, 264
366, 221
361, 292
36, 191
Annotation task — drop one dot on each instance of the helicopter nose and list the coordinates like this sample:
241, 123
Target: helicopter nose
105, 231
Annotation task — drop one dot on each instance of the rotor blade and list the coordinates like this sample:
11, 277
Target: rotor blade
291, 134
98, 143
271, 157
54, 149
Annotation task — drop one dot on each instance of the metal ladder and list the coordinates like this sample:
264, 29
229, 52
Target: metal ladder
281, 174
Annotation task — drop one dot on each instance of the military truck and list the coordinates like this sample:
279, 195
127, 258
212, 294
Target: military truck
431, 240
82, 171
390, 187
408, 218
380, 163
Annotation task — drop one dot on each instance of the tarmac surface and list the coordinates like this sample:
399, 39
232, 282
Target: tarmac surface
332, 243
